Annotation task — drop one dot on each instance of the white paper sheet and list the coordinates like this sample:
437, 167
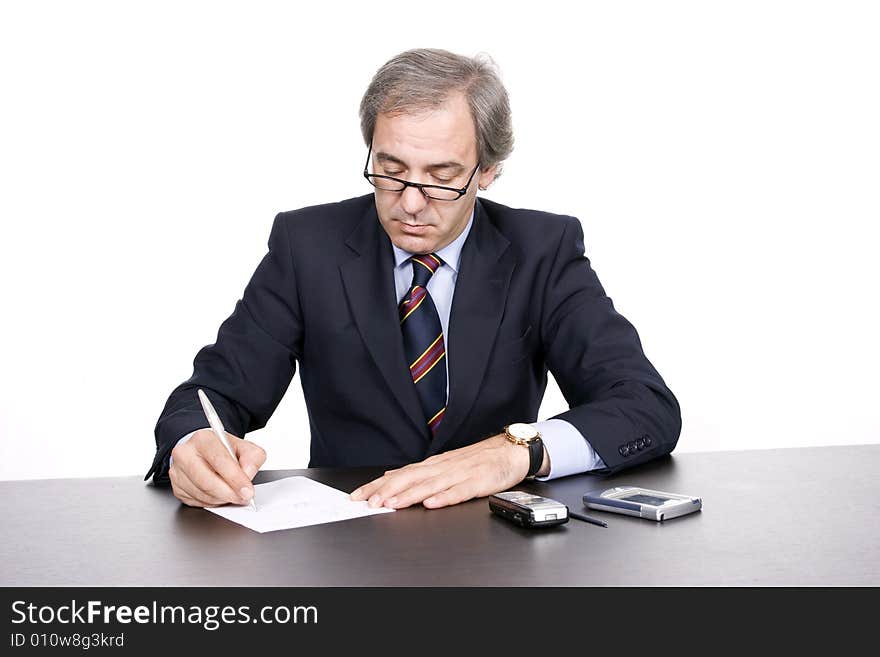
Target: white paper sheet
295, 502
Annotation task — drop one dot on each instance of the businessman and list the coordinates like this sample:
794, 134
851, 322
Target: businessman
423, 320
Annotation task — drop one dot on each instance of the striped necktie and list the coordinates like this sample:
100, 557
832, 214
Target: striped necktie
423, 341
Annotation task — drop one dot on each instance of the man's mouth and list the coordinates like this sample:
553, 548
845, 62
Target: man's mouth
413, 229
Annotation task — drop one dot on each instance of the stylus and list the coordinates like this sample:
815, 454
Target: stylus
589, 519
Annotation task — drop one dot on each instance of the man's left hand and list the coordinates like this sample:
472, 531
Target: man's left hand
481, 469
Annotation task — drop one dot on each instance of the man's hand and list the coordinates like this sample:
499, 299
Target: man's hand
204, 474
481, 469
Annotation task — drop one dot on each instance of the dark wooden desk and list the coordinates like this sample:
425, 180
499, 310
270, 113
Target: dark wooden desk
770, 517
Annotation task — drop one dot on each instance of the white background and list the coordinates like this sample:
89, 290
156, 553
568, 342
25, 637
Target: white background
724, 159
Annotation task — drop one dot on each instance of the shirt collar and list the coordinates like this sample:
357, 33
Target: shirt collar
450, 254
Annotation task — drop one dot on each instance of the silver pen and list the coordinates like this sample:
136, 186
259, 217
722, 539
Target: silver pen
219, 431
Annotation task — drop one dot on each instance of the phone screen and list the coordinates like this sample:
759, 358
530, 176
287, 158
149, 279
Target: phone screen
641, 498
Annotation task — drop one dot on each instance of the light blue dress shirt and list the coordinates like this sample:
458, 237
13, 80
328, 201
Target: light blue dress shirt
569, 452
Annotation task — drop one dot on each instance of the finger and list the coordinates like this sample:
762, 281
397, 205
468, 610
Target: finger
461, 492
367, 490
209, 483
205, 498
191, 491
185, 499
189, 501
401, 488
187, 492
405, 480
385, 486
423, 489
179, 492
251, 456
393, 481
227, 467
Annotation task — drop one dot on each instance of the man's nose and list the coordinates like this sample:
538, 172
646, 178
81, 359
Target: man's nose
412, 200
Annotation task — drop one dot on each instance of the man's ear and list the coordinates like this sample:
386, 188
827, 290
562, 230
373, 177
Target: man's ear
487, 177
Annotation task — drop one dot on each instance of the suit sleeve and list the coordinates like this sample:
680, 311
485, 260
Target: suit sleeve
248, 369
617, 400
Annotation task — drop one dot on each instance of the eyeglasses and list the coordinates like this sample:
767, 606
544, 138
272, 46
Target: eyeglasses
436, 192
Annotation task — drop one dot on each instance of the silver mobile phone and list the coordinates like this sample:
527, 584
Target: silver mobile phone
642, 502
528, 510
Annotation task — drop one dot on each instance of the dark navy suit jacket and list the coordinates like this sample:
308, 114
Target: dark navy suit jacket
526, 299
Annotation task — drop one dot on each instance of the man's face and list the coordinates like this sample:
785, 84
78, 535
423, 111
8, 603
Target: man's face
433, 147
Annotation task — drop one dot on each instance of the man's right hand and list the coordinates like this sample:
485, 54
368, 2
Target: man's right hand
204, 474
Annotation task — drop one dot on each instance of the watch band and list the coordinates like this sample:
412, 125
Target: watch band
536, 457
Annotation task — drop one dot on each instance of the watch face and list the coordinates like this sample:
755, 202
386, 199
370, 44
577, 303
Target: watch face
522, 431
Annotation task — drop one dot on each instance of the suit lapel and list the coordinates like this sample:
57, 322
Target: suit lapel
477, 308
369, 286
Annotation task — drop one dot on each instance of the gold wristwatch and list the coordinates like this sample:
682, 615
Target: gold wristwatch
526, 435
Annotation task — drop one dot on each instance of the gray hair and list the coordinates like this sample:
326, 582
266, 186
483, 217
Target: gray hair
424, 78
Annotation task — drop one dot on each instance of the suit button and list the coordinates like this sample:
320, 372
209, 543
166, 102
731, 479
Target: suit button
647, 439
624, 450
632, 445
640, 444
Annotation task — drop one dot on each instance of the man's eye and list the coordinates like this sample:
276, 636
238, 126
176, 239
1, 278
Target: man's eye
393, 173
443, 181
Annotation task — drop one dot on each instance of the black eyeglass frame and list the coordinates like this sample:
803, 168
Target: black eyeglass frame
420, 186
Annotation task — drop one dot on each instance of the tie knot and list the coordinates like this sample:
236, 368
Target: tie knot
424, 267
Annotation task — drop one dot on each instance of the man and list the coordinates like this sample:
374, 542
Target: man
424, 322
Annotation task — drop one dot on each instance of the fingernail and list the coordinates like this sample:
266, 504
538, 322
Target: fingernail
375, 501
246, 493
430, 501
250, 470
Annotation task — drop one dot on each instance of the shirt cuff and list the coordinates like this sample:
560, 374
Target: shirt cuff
180, 442
569, 452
